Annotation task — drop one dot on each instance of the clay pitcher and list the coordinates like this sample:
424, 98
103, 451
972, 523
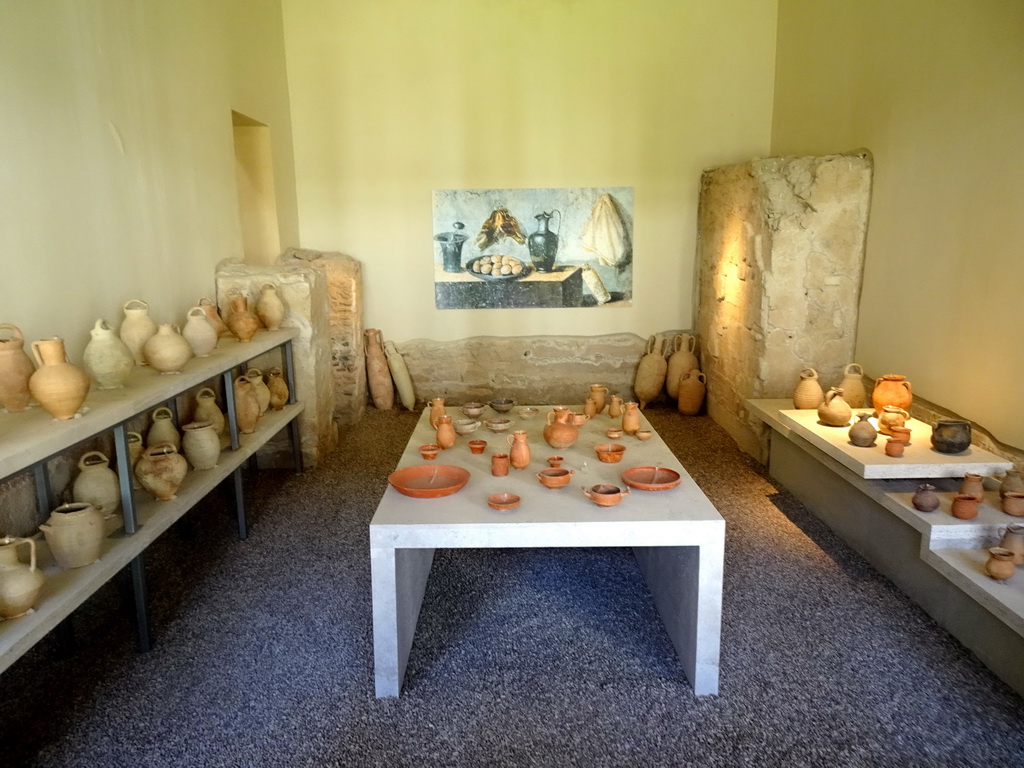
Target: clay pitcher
519, 449
437, 410
445, 432
630, 418
1013, 540
20, 584
891, 416
378, 374
167, 350
213, 316
650, 373
278, 387
615, 407
74, 532
161, 470
200, 444
598, 393
199, 332
242, 323
97, 484
59, 386
690, 392
1012, 482
680, 362
862, 433
247, 405
560, 432
891, 389
269, 307
163, 429
106, 358
15, 370
834, 410
1000, 565
808, 393
255, 375
136, 328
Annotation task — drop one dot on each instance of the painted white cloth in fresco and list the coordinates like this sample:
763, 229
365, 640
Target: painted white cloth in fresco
605, 233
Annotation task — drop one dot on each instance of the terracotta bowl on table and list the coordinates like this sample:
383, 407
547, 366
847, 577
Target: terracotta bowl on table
429, 481
502, 404
555, 477
503, 502
429, 452
610, 452
605, 495
465, 426
528, 412
651, 478
643, 434
472, 410
498, 425
477, 446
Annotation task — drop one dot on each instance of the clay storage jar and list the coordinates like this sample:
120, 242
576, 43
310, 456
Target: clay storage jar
97, 484
136, 328
651, 372
925, 499
201, 444
972, 485
278, 389
15, 370
167, 350
242, 323
891, 389
680, 362
163, 429
269, 307
74, 532
1013, 504
255, 375
378, 374
247, 405
59, 386
200, 333
808, 393
853, 386
690, 393
161, 470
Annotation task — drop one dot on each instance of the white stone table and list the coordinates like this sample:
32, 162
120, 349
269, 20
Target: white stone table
677, 536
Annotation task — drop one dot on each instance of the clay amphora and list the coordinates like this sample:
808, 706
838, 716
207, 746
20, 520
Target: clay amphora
834, 410
106, 358
437, 410
160, 470
630, 418
20, 584
213, 316
808, 393
242, 323
134, 452
247, 405
167, 350
163, 429
891, 416
590, 408
598, 393
1012, 482
1000, 565
972, 486
951, 435
862, 433
1013, 540
925, 499
136, 328
615, 407
377, 372
891, 389
278, 388
964, 507
680, 362
853, 386
200, 334
690, 393
201, 444
207, 410
59, 386
519, 450
560, 432
650, 373
445, 432
894, 448
400, 374
269, 307
1013, 504
97, 484
74, 532
15, 370
259, 386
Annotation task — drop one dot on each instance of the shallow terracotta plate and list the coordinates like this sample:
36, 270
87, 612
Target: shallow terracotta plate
651, 478
429, 481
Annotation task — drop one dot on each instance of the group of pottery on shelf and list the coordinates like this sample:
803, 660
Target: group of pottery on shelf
971, 493
679, 374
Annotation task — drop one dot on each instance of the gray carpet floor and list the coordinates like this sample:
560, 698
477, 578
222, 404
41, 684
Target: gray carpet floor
522, 657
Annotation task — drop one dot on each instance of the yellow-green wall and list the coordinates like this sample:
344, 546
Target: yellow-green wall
392, 99
118, 177
936, 91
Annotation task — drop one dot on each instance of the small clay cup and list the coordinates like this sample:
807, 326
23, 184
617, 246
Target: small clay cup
477, 446
613, 432
964, 507
429, 452
499, 464
643, 434
1013, 504
555, 461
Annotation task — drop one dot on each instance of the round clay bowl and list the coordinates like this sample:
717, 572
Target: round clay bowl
613, 432
503, 502
605, 495
477, 446
643, 434
498, 425
610, 452
466, 426
554, 477
555, 461
651, 478
472, 410
502, 404
528, 412
429, 481
429, 452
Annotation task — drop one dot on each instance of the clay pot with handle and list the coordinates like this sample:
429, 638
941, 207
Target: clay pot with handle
59, 386
690, 392
199, 332
242, 323
74, 532
278, 387
136, 328
20, 584
247, 405
213, 316
853, 386
163, 429
808, 393
161, 470
891, 389
97, 484
560, 432
15, 370
519, 449
167, 350
269, 307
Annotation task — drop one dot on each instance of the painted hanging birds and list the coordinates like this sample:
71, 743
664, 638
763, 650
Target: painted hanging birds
499, 225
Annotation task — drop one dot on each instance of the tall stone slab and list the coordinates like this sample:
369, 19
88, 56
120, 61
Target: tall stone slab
303, 289
780, 257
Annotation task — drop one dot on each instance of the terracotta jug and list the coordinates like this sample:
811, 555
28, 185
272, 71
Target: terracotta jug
106, 358
167, 350
853, 386
437, 410
278, 387
242, 323
15, 370
445, 432
808, 393
973, 486
20, 584
57, 385
630, 418
269, 307
680, 362
247, 405
97, 484
163, 429
598, 393
951, 435
1013, 540
213, 316
378, 374
207, 410
891, 416
1000, 565
255, 375
862, 433
1012, 482
136, 328
891, 389
650, 373
200, 334
560, 432
519, 449
925, 499
400, 374
615, 407
161, 470
74, 532
1013, 504
690, 393
201, 444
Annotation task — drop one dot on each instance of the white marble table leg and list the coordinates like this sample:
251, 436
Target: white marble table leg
686, 583
399, 578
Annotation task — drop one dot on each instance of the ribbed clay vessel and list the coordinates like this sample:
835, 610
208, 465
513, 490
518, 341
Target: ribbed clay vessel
59, 386
15, 370
808, 393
